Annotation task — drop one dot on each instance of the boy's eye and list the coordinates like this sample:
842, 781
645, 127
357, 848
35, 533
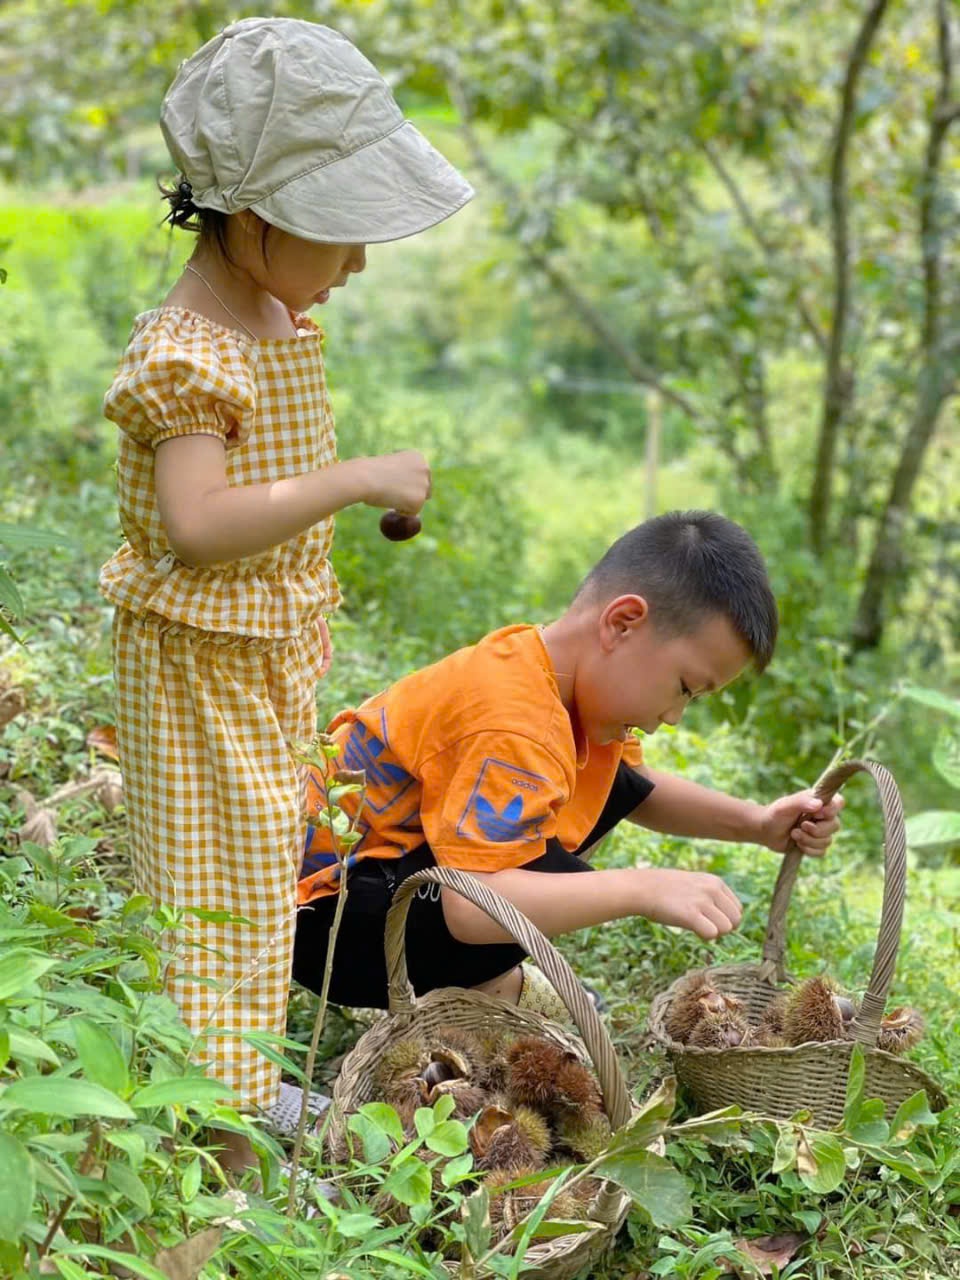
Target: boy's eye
685, 691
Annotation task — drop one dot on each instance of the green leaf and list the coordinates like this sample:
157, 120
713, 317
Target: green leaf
425, 1121
785, 1151
103, 1063
855, 1079
870, 1125
653, 1184
650, 1122
10, 597
722, 1127
4, 1046
190, 1179
403, 1262
912, 1113
449, 1138
935, 826
16, 1186
19, 968
477, 1231
946, 756
377, 1145
71, 1270
122, 1177
455, 1171
133, 1145
409, 1182
444, 1106
128, 1260
354, 1226
932, 698
184, 1091
550, 1228
56, 1096
809, 1219
20, 538
820, 1162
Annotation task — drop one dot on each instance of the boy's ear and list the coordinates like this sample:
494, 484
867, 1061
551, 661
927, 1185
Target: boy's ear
621, 615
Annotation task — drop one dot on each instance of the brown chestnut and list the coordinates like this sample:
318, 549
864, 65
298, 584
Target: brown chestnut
398, 527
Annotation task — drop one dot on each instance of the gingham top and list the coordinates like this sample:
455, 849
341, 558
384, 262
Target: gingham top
183, 374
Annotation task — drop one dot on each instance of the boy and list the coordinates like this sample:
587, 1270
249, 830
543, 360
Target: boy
512, 757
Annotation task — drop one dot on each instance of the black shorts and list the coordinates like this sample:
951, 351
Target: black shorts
434, 957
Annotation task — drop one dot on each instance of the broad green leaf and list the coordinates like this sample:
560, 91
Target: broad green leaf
377, 1145
932, 698
443, 1108
653, 1184
4, 1046
56, 1096
184, 1091
103, 1063
552, 1227
912, 1113
129, 1260
409, 1182
936, 826
403, 1262
475, 1214
71, 1270
19, 968
809, 1219
425, 1121
722, 1126
650, 1122
16, 1186
855, 1079
449, 1138
455, 1171
871, 1125
820, 1162
20, 538
10, 597
356, 1225
190, 1179
132, 1144
785, 1151
946, 755
384, 1117
122, 1177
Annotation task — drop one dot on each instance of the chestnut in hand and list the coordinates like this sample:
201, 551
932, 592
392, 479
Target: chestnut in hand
398, 527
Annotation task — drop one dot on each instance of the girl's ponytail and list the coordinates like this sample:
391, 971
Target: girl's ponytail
183, 212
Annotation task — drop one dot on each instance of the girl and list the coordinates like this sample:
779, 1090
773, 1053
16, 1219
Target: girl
293, 157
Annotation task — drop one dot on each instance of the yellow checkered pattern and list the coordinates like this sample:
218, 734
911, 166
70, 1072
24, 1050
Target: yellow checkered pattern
182, 374
215, 810
215, 671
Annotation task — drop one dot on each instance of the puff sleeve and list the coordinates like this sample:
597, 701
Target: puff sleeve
180, 376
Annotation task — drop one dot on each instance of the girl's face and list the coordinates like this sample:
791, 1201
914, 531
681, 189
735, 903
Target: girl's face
300, 273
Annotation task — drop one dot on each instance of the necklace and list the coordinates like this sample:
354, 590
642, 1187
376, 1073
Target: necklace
233, 314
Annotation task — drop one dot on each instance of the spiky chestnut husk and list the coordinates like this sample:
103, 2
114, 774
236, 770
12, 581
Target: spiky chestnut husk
727, 1030
400, 1059
509, 1208
468, 1098
900, 1029
577, 1088
524, 1140
814, 1013
685, 1010
771, 1020
584, 1135
533, 1065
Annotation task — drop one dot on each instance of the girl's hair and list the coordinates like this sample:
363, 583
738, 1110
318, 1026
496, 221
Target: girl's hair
210, 224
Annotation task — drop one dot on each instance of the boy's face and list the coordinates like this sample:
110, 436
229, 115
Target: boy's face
634, 676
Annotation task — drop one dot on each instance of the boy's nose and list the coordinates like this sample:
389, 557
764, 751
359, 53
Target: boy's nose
673, 716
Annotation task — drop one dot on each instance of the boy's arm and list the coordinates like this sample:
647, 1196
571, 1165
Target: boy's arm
682, 808
561, 903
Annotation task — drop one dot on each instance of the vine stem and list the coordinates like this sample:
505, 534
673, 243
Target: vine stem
84, 1165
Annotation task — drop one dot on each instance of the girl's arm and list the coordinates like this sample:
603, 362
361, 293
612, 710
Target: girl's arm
561, 903
683, 808
208, 521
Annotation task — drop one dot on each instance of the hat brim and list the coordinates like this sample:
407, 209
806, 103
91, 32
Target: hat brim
388, 190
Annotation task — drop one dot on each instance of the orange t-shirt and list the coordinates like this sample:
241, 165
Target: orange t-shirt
476, 755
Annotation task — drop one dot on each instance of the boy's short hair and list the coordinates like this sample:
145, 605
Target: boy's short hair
689, 565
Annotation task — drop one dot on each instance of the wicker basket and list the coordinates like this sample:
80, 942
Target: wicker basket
563, 1256
780, 1082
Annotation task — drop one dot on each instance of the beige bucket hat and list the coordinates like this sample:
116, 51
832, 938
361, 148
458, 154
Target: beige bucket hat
289, 119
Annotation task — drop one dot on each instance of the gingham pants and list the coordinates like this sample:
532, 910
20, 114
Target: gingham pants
215, 813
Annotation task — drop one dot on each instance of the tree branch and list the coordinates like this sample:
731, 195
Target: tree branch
838, 381
753, 226
558, 278
937, 379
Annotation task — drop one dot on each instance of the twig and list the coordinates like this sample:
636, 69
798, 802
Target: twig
84, 1165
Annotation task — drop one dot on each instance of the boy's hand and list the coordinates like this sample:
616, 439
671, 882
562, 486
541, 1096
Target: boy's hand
693, 900
781, 823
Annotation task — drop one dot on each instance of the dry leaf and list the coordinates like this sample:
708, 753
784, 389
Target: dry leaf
104, 740
109, 790
769, 1252
39, 825
185, 1261
12, 704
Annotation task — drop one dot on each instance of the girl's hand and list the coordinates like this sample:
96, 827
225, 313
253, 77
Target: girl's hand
693, 900
802, 818
398, 480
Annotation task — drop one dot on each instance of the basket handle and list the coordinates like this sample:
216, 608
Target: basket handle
866, 1025
616, 1097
